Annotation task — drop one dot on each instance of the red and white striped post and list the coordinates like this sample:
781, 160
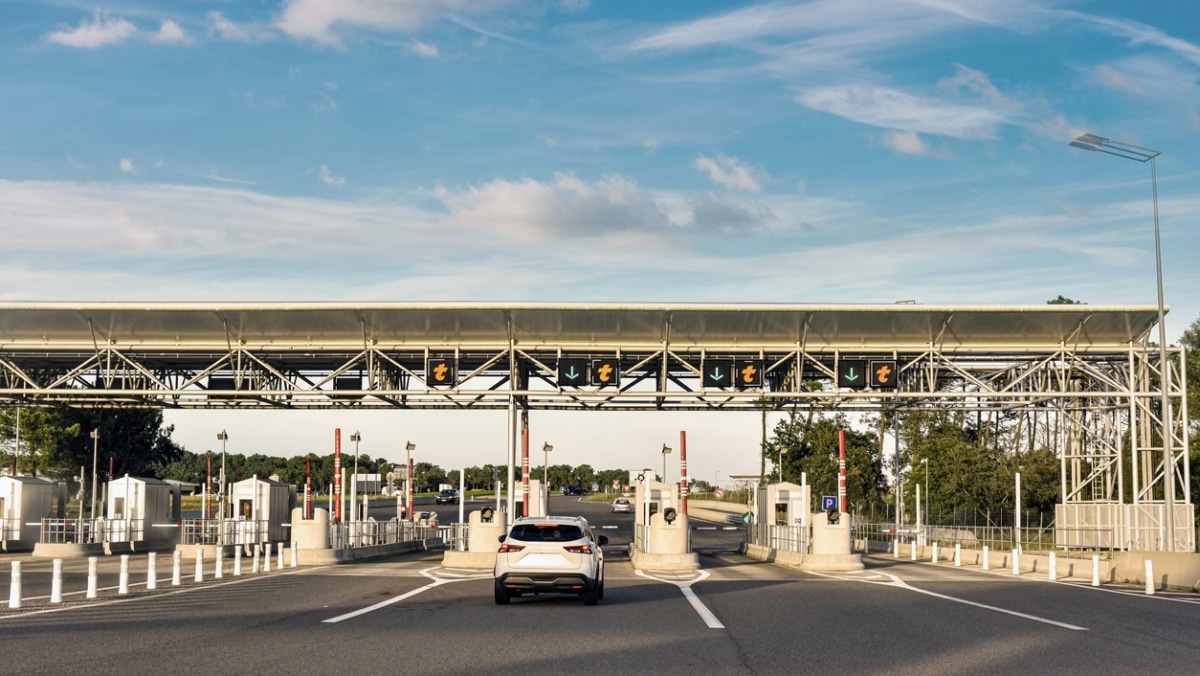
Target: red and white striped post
525, 469
842, 470
308, 507
337, 474
683, 484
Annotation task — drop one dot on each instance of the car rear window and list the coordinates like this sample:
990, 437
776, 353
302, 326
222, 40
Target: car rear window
546, 532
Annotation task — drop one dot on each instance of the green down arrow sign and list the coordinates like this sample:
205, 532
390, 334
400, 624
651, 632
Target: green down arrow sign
572, 372
718, 373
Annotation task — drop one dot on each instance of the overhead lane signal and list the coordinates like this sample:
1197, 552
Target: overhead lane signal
749, 374
440, 372
852, 374
884, 373
718, 373
606, 372
572, 372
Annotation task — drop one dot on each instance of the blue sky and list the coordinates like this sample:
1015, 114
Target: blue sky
567, 150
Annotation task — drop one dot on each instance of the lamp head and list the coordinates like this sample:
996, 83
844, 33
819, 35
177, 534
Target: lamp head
410, 446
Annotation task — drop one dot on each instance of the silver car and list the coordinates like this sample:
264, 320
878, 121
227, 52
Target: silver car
622, 506
550, 555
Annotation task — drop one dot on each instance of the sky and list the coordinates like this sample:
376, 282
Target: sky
829, 151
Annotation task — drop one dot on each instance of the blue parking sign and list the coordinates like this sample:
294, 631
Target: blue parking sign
828, 502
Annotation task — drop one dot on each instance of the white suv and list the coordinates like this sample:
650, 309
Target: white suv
550, 555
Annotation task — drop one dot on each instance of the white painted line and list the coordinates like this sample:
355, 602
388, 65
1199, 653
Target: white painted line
685, 586
437, 582
897, 582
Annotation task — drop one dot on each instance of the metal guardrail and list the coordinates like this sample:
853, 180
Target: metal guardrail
374, 533
781, 537
1067, 542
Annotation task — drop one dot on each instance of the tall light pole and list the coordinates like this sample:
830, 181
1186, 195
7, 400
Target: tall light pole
408, 473
1139, 154
546, 448
666, 450
925, 461
356, 437
95, 459
222, 436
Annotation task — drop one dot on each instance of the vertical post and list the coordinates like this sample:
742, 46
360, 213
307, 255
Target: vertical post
56, 582
462, 499
683, 475
987, 563
279, 560
295, 556
199, 576
1053, 572
267, 558
123, 579
14, 586
237, 561
1016, 561
842, 470
219, 566
177, 569
1149, 577
1095, 571
957, 554
524, 463
93, 574
337, 475
254, 548
1017, 516
95, 459
152, 571
934, 556
308, 506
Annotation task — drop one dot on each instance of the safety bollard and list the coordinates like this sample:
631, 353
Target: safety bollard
913, 550
237, 561
219, 566
1016, 556
152, 571
92, 575
987, 563
255, 548
280, 549
267, 558
957, 554
1095, 571
199, 576
177, 569
123, 580
1149, 577
295, 556
897, 548
934, 557
56, 583
14, 586
1053, 568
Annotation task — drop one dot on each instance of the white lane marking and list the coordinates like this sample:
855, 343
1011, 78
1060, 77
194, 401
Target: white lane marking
897, 582
685, 586
437, 582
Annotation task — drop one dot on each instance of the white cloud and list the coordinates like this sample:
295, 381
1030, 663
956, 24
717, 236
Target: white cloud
323, 20
1112, 78
575, 5
100, 31
1141, 34
169, 33
729, 172
221, 27
329, 178
906, 142
424, 49
127, 166
894, 109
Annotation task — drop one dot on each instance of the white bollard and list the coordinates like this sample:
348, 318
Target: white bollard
934, 557
219, 566
199, 576
92, 575
913, 550
295, 556
957, 554
280, 566
267, 558
1016, 556
56, 583
897, 548
1149, 577
152, 571
123, 580
177, 569
987, 563
255, 548
1095, 571
237, 561
1053, 568
14, 586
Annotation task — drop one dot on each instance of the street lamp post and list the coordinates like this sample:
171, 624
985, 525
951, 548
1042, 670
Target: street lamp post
666, 450
222, 436
95, 456
356, 437
925, 461
1139, 154
546, 448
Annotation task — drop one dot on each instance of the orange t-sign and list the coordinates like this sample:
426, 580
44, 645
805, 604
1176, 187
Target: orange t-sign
439, 372
605, 372
883, 374
749, 374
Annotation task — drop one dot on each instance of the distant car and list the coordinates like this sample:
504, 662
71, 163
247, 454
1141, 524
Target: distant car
447, 497
573, 490
622, 506
550, 555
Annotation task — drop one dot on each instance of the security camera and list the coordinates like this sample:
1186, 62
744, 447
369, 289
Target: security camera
669, 514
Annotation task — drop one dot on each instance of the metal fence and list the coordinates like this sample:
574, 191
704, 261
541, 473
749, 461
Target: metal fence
375, 533
10, 529
788, 538
1033, 539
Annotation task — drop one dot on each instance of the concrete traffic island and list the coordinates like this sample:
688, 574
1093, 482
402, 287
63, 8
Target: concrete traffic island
483, 541
668, 543
831, 551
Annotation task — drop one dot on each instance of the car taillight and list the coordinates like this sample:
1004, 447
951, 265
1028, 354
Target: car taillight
579, 549
506, 548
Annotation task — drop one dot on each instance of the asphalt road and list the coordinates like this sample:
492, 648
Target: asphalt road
408, 615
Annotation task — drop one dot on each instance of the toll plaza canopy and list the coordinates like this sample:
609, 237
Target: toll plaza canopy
598, 355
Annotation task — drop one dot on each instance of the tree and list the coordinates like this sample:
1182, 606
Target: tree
812, 446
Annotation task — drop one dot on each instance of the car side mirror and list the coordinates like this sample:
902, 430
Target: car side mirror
602, 540
502, 537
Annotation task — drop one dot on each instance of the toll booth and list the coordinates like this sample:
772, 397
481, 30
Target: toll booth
134, 505
537, 498
784, 504
652, 498
261, 508
24, 501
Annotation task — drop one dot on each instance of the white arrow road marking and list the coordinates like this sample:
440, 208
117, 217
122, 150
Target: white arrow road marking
437, 582
685, 586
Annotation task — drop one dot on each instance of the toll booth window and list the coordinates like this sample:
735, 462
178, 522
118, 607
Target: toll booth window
533, 532
245, 508
653, 508
781, 514
118, 508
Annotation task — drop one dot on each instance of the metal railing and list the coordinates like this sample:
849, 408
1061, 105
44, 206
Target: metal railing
1068, 542
788, 538
10, 529
375, 533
